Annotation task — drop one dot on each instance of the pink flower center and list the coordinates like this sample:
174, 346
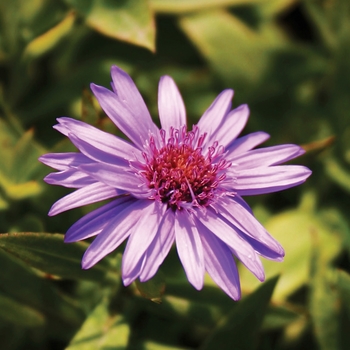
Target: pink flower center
180, 174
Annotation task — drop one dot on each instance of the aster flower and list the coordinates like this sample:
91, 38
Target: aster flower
171, 185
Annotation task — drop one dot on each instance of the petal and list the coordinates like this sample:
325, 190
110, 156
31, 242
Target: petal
213, 116
160, 246
172, 112
127, 92
264, 251
99, 139
220, 264
140, 239
271, 179
71, 178
241, 218
246, 143
96, 154
228, 234
92, 224
118, 177
136, 127
86, 195
189, 248
267, 156
232, 125
63, 161
117, 230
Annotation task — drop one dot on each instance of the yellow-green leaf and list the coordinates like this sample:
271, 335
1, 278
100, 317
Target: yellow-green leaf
18, 313
101, 331
131, 21
48, 253
51, 38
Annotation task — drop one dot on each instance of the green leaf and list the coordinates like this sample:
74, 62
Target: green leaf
22, 285
101, 331
272, 8
49, 39
153, 289
234, 50
131, 21
280, 316
19, 314
240, 328
294, 229
337, 173
183, 6
19, 166
156, 346
323, 299
343, 282
48, 253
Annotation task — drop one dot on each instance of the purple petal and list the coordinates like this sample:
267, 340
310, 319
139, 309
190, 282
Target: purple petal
232, 125
117, 177
63, 161
86, 195
71, 178
272, 179
220, 263
213, 116
113, 234
246, 143
135, 272
228, 234
266, 156
241, 218
127, 93
262, 250
92, 224
189, 248
136, 127
140, 239
160, 246
97, 154
172, 112
99, 139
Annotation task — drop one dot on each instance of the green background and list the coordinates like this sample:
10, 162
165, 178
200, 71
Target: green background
288, 59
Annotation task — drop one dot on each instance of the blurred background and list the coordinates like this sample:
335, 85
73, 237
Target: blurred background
288, 59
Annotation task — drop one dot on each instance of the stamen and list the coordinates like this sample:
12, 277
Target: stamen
180, 174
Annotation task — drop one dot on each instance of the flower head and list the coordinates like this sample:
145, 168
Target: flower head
171, 185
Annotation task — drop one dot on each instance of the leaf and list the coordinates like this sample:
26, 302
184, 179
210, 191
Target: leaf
294, 229
131, 21
101, 331
337, 173
48, 253
323, 299
280, 316
49, 39
343, 283
19, 166
22, 285
183, 6
19, 314
271, 8
153, 289
234, 50
156, 346
240, 328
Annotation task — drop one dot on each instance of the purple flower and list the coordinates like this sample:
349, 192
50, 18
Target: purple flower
171, 185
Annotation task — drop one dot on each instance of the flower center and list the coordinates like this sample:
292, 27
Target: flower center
180, 174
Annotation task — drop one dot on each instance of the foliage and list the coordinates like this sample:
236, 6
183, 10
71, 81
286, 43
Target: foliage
288, 59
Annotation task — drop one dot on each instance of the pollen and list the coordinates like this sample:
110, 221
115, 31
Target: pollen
181, 175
